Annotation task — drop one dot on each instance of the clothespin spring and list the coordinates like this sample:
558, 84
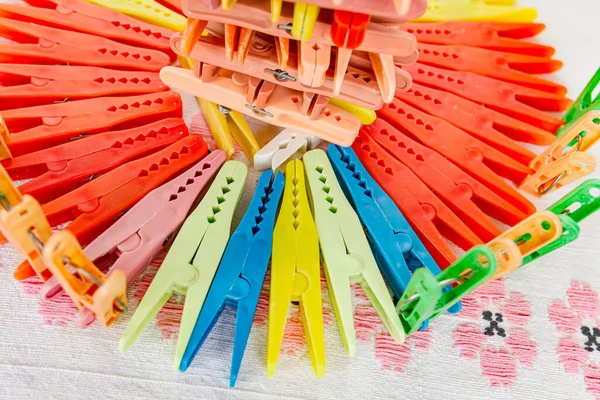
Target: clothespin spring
546, 188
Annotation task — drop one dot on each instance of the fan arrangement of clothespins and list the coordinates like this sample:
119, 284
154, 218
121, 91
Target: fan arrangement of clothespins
429, 108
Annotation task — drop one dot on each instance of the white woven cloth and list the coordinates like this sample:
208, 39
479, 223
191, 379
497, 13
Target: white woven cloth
534, 347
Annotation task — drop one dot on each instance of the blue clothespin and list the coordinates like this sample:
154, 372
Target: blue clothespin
240, 276
397, 248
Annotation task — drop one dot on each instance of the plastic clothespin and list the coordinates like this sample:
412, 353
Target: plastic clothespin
288, 145
427, 214
37, 128
382, 10
81, 16
146, 10
397, 249
487, 125
365, 115
588, 100
139, 235
472, 155
424, 298
38, 44
466, 196
530, 235
504, 37
56, 171
565, 161
304, 20
525, 104
4, 150
192, 261
296, 272
31, 85
240, 276
514, 68
268, 102
346, 253
477, 10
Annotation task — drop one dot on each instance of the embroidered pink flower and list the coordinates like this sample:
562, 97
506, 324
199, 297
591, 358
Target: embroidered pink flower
497, 335
578, 319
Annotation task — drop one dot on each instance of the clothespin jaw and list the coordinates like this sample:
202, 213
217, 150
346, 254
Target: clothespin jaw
530, 235
240, 276
4, 150
585, 102
579, 204
477, 10
426, 291
192, 261
286, 146
90, 288
147, 10
296, 272
346, 252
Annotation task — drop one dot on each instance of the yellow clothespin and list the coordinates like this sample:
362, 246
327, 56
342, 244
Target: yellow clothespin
296, 272
147, 10
305, 17
366, 116
4, 150
529, 236
477, 10
276, 6
347, 256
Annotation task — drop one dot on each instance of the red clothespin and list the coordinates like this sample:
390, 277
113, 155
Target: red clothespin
82, 16
468, 198
25, 85
37, 128
38, 44
514, 68
492, 127
470, 154
93, 207
528, 105
58, 170
427, 214
504, 37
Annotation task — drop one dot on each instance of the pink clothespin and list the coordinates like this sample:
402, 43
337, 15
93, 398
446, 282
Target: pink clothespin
140, 234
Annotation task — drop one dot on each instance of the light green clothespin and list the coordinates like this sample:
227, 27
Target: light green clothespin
346, 253
192, 261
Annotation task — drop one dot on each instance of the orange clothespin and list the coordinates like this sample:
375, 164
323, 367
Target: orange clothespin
267, 101
565, 161
82, 16
528, 105
514, 68
38, 44
4, 150
504, 37
474, 156
31, 85
40, 127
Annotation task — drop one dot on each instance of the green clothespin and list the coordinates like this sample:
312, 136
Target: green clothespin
583, 104
347, 257
192, 261
418, 300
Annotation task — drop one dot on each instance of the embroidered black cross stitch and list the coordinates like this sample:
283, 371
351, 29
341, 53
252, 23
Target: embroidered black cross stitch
494, 324
592, 338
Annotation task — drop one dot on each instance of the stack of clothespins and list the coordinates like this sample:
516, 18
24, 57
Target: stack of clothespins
419, 153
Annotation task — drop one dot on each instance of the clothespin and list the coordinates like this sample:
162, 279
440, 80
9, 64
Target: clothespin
241, 273
146, 10
360, 87
54, 172
397, 249
304, 20
427, 214
40, 127
288, 145
192, 261
38, 44
30, 85
588, 100
347, 256
365, 115
486, 124
470, 154
296, 272
571, 209
81, 16
138, 236
525, 104
477, 10
383, 10
565, 160
424, 298
514, 68
505, 37
466, 196
4, 150
268, 102
530, 235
